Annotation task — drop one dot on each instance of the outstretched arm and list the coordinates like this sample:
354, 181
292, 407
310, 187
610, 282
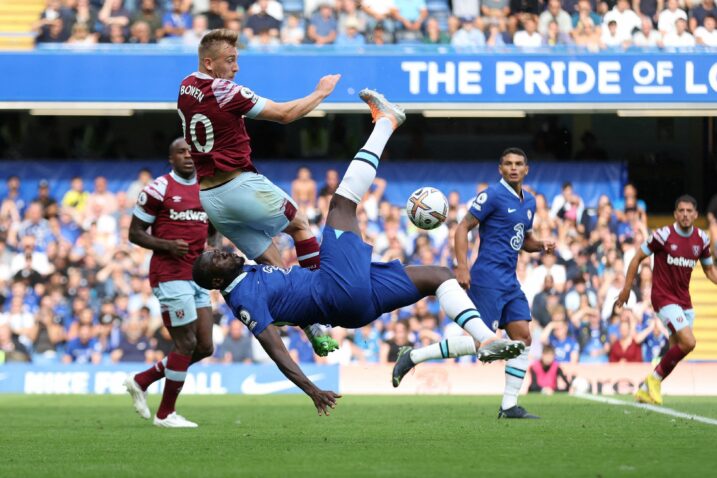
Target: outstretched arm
630, 277
271, 342
711, 273
461, 249
292, 110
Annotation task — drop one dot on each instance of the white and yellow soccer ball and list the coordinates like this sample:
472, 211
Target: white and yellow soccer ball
427, 208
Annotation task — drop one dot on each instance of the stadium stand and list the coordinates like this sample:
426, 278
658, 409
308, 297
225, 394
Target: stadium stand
16, 21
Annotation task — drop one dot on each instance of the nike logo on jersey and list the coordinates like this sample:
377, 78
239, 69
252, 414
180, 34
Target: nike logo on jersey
250, 386
511, 210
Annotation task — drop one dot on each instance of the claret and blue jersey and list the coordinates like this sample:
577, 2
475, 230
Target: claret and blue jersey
504, 220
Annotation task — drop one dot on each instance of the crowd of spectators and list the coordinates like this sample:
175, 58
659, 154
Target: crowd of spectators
73, 289
592, 24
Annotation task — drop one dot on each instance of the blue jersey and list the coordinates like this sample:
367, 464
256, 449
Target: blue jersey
348, 291
504, 220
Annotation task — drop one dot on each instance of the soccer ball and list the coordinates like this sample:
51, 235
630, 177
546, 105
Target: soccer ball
427, 208
580, 386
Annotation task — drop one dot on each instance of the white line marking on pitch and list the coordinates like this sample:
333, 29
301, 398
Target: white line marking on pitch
645, 406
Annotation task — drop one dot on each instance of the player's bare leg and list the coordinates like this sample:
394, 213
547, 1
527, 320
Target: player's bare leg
205, 342
682, 343
515, 370
440, 281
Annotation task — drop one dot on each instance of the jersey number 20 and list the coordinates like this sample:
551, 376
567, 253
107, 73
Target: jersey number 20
208, 131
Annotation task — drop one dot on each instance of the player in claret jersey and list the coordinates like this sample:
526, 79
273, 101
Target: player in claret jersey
677, 248
242, 204
179, 228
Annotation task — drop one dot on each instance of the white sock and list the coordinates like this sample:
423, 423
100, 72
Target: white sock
451, 347
382, 131
515, 370
458, 306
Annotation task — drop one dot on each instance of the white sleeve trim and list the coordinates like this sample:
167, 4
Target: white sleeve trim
257, 108
143, 215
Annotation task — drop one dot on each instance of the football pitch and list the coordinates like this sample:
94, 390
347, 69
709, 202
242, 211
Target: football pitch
365, 436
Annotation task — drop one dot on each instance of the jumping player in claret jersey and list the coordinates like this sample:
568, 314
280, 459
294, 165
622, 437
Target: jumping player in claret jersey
170, 206
349, 290
676, 248
242, 204
504, 213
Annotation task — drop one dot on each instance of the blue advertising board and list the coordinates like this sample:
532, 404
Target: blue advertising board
426, 77
201, 379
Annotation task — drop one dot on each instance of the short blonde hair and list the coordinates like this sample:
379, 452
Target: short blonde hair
214, 38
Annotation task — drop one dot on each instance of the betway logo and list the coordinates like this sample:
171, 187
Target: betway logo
188, 215
681, 262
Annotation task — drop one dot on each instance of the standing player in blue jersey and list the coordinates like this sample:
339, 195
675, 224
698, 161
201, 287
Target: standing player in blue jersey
348, 290
505, 213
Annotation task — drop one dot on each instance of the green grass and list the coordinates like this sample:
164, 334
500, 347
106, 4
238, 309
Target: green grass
365, 436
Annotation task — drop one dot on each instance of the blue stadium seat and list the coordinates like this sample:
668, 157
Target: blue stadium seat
293, 6
434, 6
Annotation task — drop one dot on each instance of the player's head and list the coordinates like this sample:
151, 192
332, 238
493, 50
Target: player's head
216, 269
685, 211
513, 165
218, 54
180, 158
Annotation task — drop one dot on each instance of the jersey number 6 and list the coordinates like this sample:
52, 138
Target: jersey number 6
208, 131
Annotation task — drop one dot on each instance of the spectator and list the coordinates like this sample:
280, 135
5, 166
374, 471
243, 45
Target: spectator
81, 35
520, 10
55, 21
379, 12
707, 34
236, 347
37, 226
612, 37
529, 36
76, 197
626, 348
273, 8
46, 200
303, 189
698, 13
410, 15
292, 33
556, 335
647, 36
625, 19
555, 37
262, 22
114, 35
587, 34
114, 13
216, 13
312, 6
29, 254
47, 333
349, 11
680, 38
13, 194
141, 33
11, 350
585, 10
199, 29
143, 178
84, 349
352, 37
554, 13
496, 11
331, 182
379, 36
649, 8
434, 35
545, 301
323, 26
594, 346
101, 200
496, 38
656, 342
149, 14
300, 348
85, 14
546, 376
176, 21
400, 338
668, 17
468, 35
134, 345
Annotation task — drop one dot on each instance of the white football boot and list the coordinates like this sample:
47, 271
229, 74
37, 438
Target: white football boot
139, 397
499, 349
174, 420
